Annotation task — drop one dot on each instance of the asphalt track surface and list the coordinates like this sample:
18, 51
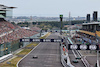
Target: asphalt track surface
48, 55
72, 57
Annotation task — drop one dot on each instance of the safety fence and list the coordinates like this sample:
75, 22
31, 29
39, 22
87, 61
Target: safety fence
9, 47
86, 62
65, 58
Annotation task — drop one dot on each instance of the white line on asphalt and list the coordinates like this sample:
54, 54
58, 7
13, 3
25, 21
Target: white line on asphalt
74, 53
78, 53
48, 65
29, 53
47, 54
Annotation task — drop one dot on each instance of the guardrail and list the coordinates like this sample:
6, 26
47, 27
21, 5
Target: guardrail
85, 62
64, 63
6, 57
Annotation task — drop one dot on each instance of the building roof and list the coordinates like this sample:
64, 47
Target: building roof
4, 11
91, 23
5, 8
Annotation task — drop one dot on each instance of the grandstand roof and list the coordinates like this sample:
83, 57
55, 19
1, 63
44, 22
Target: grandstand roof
91, 23
5, 8
12, 7
4, 11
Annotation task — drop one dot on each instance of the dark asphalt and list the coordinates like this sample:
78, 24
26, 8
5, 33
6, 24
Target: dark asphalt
92, 60
48, 55
72, 57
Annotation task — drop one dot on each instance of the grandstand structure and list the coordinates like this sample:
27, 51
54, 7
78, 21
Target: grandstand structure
91, 29
5, 11
11, 34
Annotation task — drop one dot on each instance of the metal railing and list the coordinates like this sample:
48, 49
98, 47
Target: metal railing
65, 56
86, 62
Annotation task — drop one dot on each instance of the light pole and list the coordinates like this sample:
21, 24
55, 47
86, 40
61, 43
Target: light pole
69, 24
97, 50
61, 24
40, 32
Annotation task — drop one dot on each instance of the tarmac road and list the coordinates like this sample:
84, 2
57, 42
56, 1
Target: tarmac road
48, 55
72, 57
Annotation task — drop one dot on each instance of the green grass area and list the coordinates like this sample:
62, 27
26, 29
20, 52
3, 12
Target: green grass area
26, 51
32, 44
13, 62
45, 36
23, 52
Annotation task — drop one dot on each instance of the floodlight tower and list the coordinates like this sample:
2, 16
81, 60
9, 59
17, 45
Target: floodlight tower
69, 18
69, 23
31, 20
61, 24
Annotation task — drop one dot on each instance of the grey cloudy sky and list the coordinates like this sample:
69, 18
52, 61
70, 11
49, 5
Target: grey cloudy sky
53, 7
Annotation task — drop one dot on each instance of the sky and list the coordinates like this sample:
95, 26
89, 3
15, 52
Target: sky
53, 8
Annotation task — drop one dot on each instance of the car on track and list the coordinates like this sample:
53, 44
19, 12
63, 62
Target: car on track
75, 61
35, 56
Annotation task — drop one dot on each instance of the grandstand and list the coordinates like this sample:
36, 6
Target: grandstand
10, 34
91, 30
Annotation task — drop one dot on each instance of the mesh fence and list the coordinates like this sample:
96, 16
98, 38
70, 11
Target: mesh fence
10, 47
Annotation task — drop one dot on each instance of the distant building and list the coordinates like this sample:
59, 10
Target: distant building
5, 11
26, 28
95, 16
74, 18
74, 27
88, 17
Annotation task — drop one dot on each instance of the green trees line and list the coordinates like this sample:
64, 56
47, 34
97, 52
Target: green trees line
50, 24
